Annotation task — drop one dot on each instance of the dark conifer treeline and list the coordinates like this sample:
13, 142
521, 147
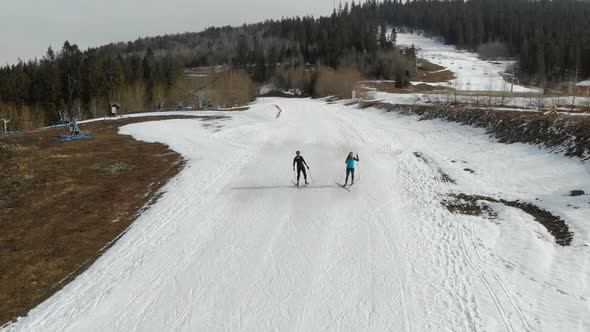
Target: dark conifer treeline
346, 38
551, 39
72, 79
70, 76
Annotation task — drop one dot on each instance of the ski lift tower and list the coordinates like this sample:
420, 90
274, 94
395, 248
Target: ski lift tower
201, 94
5, 129
75, 132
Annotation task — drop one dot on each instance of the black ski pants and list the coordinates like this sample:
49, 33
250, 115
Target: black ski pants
349, 171
299, 170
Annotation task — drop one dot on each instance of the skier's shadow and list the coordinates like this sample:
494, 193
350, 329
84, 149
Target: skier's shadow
290, 187
260, 187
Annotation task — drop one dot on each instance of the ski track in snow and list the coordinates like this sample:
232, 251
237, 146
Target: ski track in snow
232, 245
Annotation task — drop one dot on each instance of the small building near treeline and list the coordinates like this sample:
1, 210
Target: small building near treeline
114, 108
583, 87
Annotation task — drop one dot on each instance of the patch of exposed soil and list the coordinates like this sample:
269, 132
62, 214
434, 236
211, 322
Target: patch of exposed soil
388, 86
576, 193
554, 224
428, 66
61, 204
433, 76
565, 134
471, 205
429, 72
474, 205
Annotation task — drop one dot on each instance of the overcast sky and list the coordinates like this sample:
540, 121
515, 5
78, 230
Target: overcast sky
28, 27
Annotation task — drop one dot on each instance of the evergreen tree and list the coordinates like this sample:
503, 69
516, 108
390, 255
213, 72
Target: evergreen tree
383, 42
393, 37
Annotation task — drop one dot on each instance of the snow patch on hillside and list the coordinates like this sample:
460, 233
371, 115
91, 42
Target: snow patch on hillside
472, 73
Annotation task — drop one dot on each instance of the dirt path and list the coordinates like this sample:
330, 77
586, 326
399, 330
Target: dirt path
63, 204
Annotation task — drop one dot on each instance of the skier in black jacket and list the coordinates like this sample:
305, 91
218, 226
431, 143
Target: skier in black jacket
300, 168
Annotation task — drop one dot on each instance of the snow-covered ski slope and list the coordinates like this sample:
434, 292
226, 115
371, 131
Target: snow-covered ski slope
233, 246
471, 72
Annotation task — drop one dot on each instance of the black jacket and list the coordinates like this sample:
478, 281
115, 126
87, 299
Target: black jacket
300, 162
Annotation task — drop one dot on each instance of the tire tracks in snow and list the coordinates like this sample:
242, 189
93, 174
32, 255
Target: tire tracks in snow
453, 280
182, 206
499, 286
444, 188
373, 216
379, 138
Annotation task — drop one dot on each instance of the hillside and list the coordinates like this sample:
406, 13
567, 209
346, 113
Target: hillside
444, 228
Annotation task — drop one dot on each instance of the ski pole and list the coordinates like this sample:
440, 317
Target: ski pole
358, 174
311, 176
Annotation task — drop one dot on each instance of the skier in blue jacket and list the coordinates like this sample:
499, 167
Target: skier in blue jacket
350, 167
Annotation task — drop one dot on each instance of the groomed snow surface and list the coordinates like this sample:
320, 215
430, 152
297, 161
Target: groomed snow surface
471, 72
232, 245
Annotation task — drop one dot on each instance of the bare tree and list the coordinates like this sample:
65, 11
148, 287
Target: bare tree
490, 88
504, 84
572, 87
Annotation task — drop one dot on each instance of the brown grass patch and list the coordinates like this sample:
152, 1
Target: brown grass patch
61, 203
428, 66
434, 77
429, 72
338, 83
387, 86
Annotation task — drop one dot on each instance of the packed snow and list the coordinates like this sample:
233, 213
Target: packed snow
471, 72
233, 245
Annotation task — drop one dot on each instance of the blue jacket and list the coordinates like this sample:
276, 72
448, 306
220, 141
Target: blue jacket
350, 162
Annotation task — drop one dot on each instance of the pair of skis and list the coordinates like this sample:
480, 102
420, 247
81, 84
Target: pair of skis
296, 185
343, 186
339, 185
